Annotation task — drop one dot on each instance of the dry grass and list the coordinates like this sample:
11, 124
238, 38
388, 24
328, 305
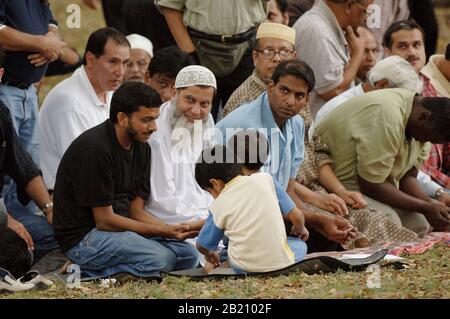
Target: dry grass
427, 277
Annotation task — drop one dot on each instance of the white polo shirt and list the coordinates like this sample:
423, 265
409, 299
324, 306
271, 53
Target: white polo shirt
70, 108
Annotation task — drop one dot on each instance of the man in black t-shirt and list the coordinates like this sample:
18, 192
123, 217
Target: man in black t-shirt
101, 186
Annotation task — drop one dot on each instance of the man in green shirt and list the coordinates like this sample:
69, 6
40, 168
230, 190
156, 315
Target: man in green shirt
378, 143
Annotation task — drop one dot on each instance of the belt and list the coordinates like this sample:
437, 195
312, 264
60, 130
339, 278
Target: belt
19, 85
236, 38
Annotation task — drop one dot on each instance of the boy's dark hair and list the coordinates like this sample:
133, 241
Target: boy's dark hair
218, 162
251, 147
130, 96
440, 114
14, 254
97, 41
2, 57
282, 5
398, 26
168, 61
447, 52
296, 68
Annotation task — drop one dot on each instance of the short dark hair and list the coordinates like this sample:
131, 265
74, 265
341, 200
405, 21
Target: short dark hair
217, 162
97, 41
296, 68
447, 52
440, 114
251, 147
168, 61
2, 56
130, 96
15, 255
398, 26
282, 5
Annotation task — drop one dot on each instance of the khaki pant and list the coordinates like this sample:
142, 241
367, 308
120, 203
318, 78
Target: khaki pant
413, 221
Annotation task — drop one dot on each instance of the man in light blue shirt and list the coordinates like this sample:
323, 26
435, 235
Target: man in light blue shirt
274, 114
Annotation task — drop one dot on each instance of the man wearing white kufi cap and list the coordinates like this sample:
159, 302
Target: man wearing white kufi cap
185, 128
270, 38
140, 56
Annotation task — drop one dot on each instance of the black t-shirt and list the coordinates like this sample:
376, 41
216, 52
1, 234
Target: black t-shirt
96, 171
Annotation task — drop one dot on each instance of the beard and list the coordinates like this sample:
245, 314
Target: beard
189, 137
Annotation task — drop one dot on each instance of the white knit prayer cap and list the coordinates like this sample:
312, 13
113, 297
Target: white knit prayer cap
193, 75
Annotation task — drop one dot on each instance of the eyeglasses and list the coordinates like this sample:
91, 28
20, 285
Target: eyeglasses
269, 54
366, 12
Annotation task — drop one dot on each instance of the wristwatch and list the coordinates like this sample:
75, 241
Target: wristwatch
439, 192
46, 207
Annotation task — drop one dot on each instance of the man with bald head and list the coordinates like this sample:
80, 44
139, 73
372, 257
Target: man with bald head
370, 54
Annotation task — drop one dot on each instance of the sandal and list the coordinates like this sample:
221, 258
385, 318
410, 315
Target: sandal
39, 282
9, 284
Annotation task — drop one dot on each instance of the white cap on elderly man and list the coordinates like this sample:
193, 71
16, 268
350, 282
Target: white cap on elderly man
277, 31
193, 75
139, 42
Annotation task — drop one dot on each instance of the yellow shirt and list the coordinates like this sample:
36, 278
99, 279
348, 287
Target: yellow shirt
248, 210
366, 137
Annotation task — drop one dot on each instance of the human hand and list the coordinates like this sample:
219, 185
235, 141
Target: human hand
444, 199
180, 232
212, 257
38, 59
21, 231
337, 229
354, 199
355, 41
300, 232
437, 215
93, 4
49, 215
52, 46
332, 203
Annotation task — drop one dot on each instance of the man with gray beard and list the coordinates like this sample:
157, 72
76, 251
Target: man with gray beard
185, 128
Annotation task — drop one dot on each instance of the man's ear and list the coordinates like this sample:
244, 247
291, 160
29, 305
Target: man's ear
382, 84
2, 71
122, 119
90, 58
270, 87
424, 116
174, 91
387, 52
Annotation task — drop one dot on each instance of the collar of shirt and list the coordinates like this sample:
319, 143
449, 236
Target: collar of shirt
82, 75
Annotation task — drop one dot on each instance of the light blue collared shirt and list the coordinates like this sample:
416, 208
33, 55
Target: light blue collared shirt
285, 146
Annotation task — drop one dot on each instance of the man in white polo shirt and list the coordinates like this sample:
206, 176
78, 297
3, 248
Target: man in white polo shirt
83, 100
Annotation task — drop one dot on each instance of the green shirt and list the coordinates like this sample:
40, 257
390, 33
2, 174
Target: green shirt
366, 137
219, 17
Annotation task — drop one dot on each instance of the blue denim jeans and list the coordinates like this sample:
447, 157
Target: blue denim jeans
23, 106
102, 254
297, 246
40, 231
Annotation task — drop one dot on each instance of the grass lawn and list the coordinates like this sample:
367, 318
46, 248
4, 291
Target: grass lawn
428, 276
